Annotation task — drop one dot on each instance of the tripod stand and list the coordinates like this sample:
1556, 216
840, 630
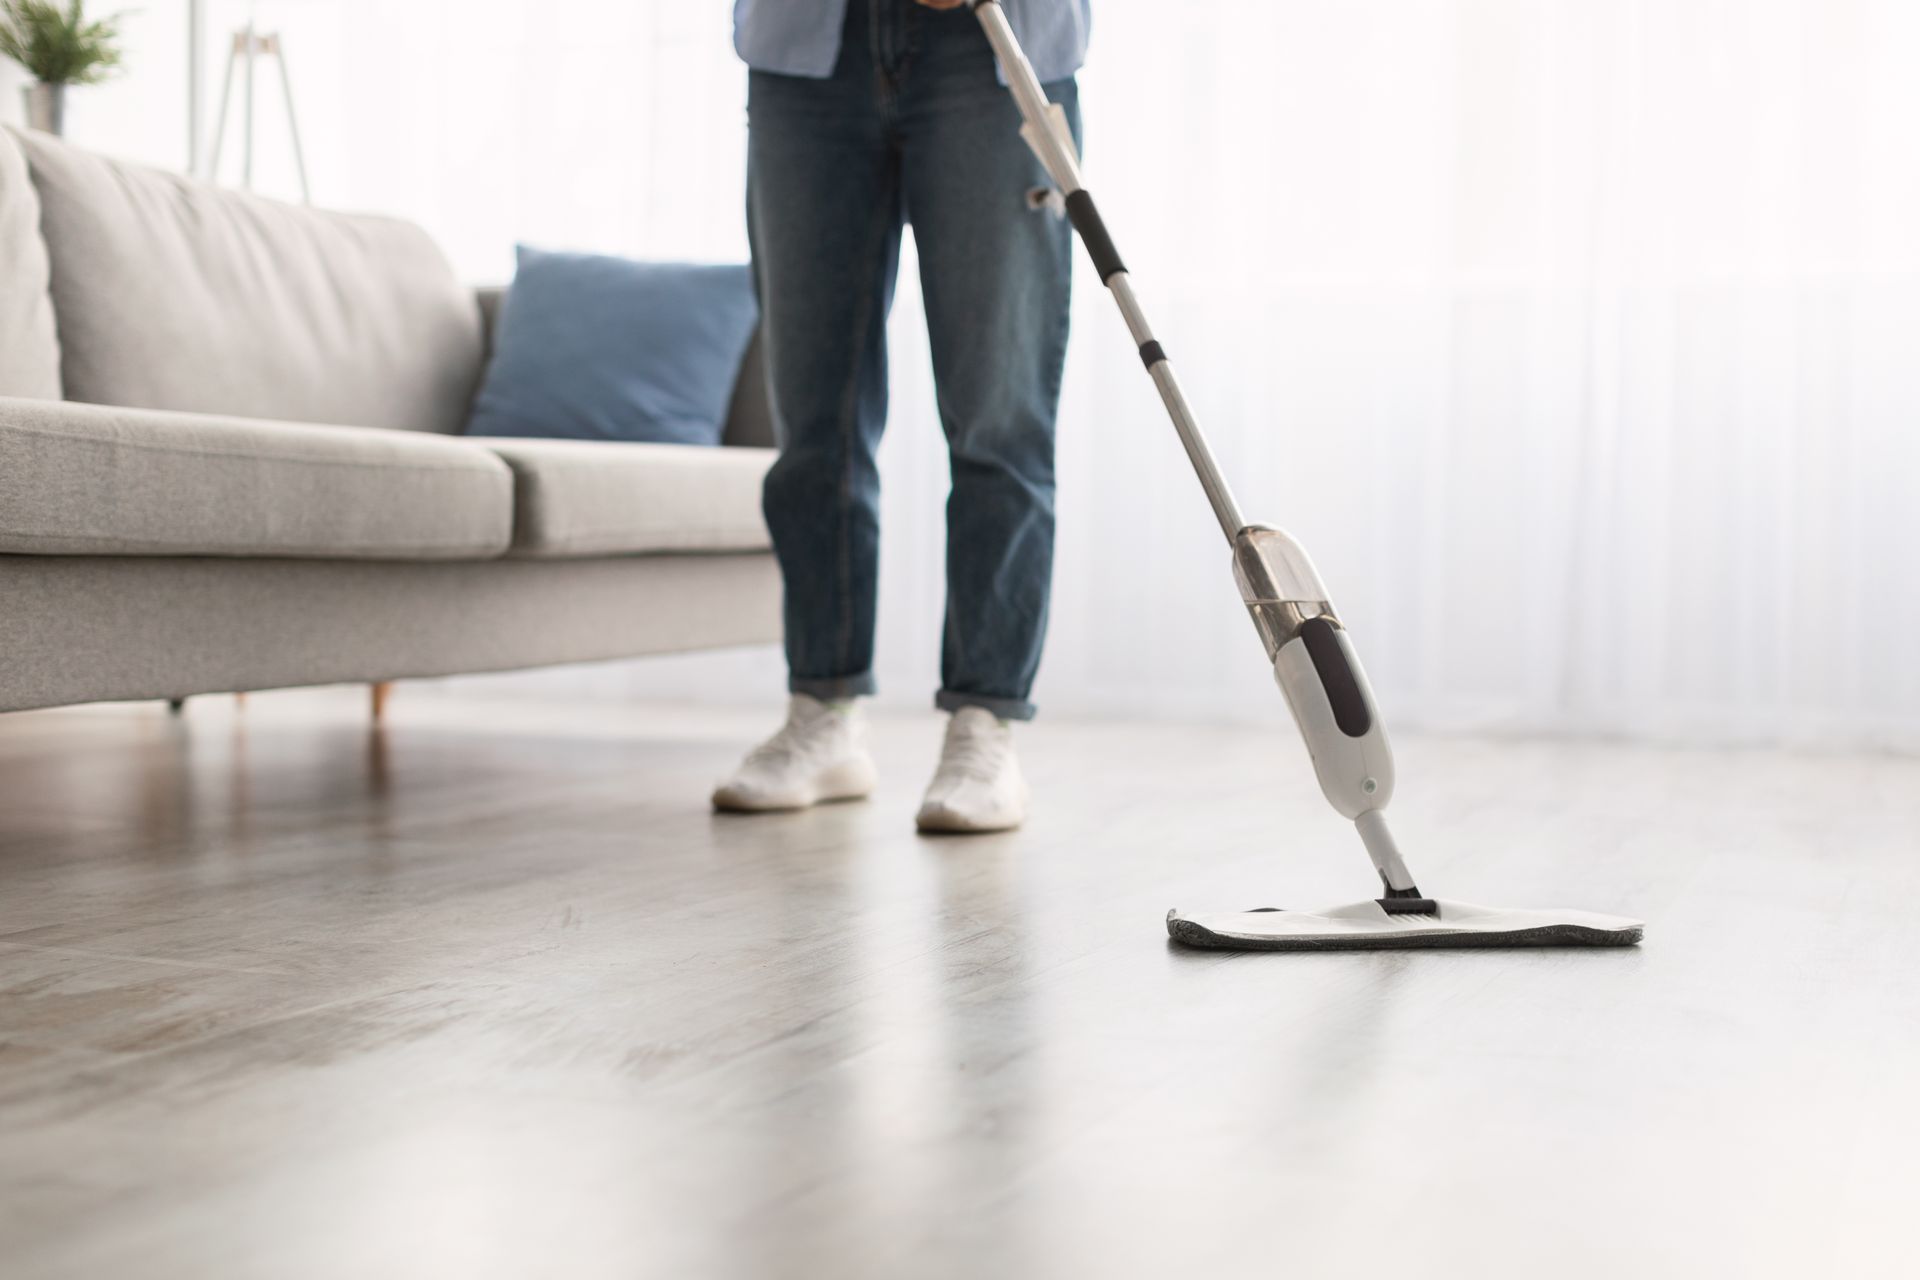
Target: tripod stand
249, 47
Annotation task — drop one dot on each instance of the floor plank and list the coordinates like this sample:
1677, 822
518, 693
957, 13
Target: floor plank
490, 993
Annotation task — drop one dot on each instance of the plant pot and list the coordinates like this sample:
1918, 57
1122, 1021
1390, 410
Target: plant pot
46, 107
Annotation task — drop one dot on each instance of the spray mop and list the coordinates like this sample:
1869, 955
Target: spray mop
1313, 657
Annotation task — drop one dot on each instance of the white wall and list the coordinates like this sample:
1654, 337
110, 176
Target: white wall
1574, 336
497, 120
487, 120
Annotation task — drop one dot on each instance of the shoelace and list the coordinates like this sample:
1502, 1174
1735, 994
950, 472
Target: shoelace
791, 743
978, 755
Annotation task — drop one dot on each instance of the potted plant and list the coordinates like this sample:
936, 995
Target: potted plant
60, 45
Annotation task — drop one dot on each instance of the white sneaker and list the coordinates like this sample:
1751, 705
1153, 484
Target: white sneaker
978, 786
819, 754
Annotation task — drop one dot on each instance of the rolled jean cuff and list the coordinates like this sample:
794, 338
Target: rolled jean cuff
1004, 708
834, 688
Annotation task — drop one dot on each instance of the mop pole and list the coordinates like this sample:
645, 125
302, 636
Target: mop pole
1313, 659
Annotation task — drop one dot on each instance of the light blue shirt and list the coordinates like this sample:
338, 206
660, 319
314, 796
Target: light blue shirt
802, 37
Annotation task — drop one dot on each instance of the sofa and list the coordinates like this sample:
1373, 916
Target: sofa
230, 460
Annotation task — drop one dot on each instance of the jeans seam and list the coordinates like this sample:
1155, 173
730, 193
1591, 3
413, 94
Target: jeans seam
887, 77
849, 412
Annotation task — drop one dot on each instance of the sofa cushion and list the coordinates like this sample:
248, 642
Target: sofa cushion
29, 349
171, 294
749, 415
592, 347
91, 480
575, 498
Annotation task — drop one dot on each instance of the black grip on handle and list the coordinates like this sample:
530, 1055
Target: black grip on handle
1336, 677
1086, 220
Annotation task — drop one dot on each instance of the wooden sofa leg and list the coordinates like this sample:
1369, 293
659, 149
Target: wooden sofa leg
380, 691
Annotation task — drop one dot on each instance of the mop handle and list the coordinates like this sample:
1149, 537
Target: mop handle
1046, 133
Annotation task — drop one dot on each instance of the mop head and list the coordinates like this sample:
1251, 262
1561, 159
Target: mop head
1364, 926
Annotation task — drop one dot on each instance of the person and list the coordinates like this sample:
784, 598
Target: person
865, 116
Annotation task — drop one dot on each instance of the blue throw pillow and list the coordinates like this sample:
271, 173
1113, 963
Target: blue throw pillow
589, 347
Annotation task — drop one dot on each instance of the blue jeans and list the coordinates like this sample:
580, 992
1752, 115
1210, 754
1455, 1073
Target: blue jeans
912, 127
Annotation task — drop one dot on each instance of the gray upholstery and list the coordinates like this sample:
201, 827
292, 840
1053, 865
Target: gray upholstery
88, 480
490, 298
750, 416
29, 349
576, 498
173, 294
81, 629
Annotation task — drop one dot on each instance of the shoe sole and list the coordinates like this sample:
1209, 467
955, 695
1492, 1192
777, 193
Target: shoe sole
948, 824
940, 822
851, 781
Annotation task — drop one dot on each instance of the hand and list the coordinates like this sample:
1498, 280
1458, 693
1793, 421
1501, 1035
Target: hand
942, 4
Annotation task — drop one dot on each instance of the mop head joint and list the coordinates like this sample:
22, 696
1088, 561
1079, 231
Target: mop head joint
1407, 902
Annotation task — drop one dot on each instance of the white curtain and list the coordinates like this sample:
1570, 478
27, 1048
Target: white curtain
1579, 340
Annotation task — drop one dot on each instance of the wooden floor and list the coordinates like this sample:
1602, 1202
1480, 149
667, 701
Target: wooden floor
491, 994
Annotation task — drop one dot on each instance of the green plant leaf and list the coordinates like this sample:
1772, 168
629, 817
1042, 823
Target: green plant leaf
60, 44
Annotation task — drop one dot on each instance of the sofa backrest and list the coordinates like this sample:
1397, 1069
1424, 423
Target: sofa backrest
29, 348
173, 294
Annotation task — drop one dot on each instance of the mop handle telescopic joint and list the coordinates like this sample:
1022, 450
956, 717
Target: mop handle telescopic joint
1045, 130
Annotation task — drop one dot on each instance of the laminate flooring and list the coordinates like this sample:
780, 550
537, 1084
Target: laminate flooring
490, 993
